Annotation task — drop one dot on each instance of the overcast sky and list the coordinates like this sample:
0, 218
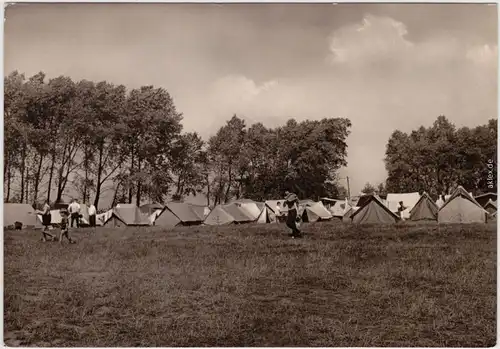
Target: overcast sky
383, 66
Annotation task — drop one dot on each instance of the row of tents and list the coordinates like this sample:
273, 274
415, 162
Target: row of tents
459, 207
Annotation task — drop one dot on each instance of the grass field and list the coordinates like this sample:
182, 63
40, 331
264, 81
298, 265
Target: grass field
404, 285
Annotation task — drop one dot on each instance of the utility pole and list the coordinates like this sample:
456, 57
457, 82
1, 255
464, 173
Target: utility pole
348, 189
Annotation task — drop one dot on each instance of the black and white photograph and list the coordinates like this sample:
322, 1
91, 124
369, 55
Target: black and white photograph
250, 174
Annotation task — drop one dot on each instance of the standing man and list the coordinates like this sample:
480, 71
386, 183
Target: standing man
46, 221
92, 215
74, 211
401, 208
292, 203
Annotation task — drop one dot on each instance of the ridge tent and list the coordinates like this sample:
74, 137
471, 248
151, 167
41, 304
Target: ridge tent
185, 213
84, 212
167, 219
339, 208
492, 217
409, 201
239, 215
347, 218
424, 210
249, 207
149, 209
127, 215
374, 212
178, 213
102, 218
55, 217
266, 216
315, 212
483, 199
227, 214
491, 207
461, 207
201, 211
22, 213
218, 216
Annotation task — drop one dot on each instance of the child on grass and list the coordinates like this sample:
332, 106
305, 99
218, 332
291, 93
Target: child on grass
65, 227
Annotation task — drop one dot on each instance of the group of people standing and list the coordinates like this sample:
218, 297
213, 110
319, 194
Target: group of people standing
69, 217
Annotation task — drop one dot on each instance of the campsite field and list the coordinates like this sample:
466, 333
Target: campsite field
403, 285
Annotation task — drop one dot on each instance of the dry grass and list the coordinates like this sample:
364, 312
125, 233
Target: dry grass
404, 285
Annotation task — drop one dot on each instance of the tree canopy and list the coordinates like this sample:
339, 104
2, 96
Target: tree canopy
87, 138
438, 158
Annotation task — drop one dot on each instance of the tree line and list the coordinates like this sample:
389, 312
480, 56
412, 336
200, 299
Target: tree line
62, 135
437, 159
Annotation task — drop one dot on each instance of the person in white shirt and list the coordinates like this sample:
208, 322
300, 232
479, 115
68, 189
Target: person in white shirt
74, 211
92, 215
278, 212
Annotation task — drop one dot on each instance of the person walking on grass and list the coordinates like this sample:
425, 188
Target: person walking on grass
74, 211
292, 203
46, 221
65, 227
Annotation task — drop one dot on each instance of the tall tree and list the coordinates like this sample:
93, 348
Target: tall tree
224, 151
368, 189
188, 159
152, 127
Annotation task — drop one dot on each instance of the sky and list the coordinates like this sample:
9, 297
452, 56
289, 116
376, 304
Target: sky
383, 66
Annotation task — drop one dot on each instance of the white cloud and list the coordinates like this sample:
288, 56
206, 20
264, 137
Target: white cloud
374, 38
483, 55
378, 79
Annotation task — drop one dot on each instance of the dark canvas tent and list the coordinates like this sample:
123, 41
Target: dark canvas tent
492, 217
127, 215
374, 212
22, 213
484, 198
491, 207
461, 207
424, 210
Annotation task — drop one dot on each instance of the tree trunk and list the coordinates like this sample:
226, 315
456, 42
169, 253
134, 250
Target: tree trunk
130, 189
86, 169
37, 179
208, 191
230, 179
23, 170
51, 174
6, 164
99, 174
115, 195
139, 186
9, 180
